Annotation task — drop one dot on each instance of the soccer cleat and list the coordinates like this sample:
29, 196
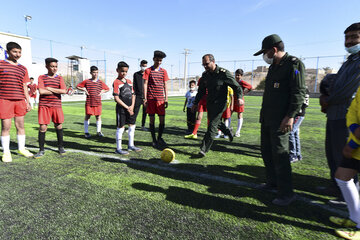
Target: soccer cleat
237, 134
62, 151
87, 135
294, 160
39, 154
218, 135
284, 201
100, 134
230, 135
349, 233
191, 136
122, 152
161, 143
133, 148
342, 222
7, 157
202, 153
25, 153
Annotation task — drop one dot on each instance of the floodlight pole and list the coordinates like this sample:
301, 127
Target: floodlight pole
186, 53
27, 18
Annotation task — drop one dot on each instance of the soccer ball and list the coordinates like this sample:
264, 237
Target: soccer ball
167, 155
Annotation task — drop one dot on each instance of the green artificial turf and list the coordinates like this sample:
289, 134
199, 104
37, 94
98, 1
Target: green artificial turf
92, 193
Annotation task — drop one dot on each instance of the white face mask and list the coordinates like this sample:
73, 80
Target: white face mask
143, 68
267, 59
192, 88
354, 49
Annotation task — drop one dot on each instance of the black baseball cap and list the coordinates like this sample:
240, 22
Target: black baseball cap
268, 43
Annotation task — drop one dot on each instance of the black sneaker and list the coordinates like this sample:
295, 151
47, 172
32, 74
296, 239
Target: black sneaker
202, 153
39, 154
100, 134
87, 135
284, 201
230, 134
161, 143
155, 144
62, 151
266, 187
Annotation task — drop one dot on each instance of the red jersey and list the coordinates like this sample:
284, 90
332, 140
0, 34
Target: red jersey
53, 100
205, 96
93, 88
12, 79
32, 90
123, 89
244, 85
156, 82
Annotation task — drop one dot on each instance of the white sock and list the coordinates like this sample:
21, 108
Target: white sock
226, 122
351, 196
86, 126
98, 126
239, 125
5, 142
131, 135
21, 141
32, 104
119, 133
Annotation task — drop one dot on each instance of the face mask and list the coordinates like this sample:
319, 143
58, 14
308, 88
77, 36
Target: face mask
267, 59
192, 88
354, 49
143, 68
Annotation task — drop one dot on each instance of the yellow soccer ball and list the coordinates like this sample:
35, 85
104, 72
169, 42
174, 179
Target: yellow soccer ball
167, 155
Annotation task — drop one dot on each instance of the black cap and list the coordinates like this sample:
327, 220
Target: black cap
268, 43
159, 54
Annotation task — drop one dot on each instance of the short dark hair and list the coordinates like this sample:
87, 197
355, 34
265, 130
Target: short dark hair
239, 71
280, 46
192, 81
352, 27
12, 45
50, 60
159, 54
93, 68
143, 62
211, 57
31, 78
122, 64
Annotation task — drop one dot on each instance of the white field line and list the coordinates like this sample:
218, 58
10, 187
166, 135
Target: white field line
168, 167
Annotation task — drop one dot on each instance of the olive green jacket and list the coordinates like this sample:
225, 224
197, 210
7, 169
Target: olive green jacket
284, 90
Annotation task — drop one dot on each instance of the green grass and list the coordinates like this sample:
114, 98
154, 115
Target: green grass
105, 196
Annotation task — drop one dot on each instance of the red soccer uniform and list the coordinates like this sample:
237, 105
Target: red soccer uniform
93, 88
244, 85
156, 82
54, 100
12, 79
202, 102
32, 90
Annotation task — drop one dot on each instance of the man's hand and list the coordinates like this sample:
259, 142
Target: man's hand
194, 108
323, 103
347, 151
286, 124
183, 109
166, 104
145, 102
240, 102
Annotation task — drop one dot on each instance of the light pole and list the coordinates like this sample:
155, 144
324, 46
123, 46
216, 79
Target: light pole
27, 18
81, 52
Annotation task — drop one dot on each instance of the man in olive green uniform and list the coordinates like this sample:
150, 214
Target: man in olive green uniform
216, 80
283, 96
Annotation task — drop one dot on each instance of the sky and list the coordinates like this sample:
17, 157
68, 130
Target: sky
229, 29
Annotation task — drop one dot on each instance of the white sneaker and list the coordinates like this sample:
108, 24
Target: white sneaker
237, 134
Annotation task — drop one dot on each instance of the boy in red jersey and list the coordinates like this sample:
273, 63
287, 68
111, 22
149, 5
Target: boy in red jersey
156, 97
93, 88
125, 98
32, 92
240, 109
51, 86
14, 100
201, 109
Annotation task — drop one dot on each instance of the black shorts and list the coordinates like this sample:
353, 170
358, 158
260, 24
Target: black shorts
123, 117
351, 163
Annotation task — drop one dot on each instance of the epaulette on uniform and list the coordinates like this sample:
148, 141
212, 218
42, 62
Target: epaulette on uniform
294, 59
222, 70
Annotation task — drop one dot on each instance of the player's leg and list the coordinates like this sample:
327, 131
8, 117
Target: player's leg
58, 118
239, 124
120, 123
5, 139
143, 119
98, 124
88, 113
200, 114
131, 145
160, 110
19, 124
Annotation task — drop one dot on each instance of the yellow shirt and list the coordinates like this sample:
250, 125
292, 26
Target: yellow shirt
353, 117
229, 95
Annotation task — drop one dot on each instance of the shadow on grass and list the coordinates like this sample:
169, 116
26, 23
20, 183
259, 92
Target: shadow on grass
239, 209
